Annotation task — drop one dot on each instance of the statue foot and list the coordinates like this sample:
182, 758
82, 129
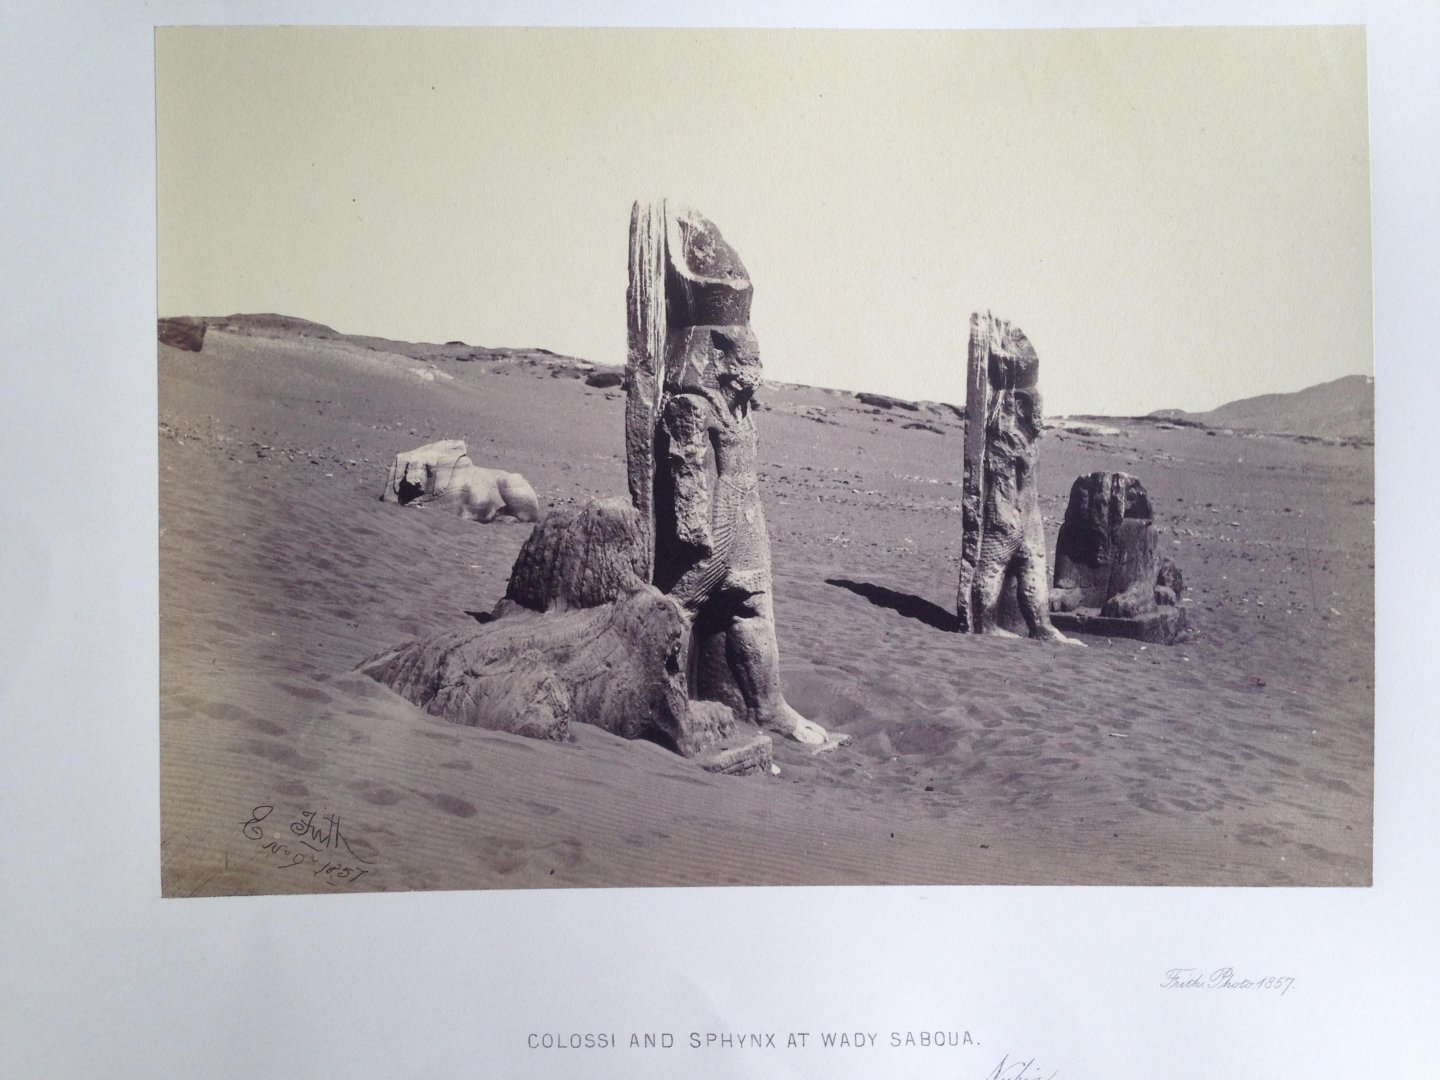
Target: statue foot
833, 741
789, 723
1051, 634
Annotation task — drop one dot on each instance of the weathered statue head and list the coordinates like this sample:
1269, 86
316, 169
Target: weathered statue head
707, 284
1013, 374
708, 291
722, 360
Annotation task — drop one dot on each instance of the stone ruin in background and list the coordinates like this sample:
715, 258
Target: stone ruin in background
184, 332
442, 472
1004, 587
650, 618
1109, 575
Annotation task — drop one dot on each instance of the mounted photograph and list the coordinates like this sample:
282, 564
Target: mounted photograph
615, 458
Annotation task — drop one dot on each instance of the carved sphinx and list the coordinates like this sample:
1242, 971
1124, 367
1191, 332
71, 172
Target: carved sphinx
1003, 543
1110, 577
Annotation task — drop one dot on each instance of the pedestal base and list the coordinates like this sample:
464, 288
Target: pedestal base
1162, 626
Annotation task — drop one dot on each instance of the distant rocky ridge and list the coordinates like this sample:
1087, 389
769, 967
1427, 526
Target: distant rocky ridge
288, 326
1343, 409
1338, 411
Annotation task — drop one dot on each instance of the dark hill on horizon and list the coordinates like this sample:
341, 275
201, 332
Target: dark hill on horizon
1342, 409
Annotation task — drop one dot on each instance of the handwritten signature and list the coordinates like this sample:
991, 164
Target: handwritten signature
1223, 978
1019, 1070
319, 846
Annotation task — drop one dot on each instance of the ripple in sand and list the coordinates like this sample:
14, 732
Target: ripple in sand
928, 739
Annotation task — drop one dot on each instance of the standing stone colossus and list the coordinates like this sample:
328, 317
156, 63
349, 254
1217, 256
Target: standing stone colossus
1003, 542
691, 446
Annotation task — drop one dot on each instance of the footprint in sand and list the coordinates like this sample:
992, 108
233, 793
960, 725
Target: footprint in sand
1149, 801
568, 853
451, 805
378, 794
1257, 835
223, 710
1324, 856
281, 754
1198, 805
1329, 783
306, 693
502, 855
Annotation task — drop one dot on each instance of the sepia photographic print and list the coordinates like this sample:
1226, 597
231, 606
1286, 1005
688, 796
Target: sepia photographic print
611, 458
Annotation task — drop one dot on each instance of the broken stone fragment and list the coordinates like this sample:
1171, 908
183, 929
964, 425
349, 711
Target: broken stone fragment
617, 666
425, 471
443, 472
579, 637
580, 558
184, 332
885, 401
604, 378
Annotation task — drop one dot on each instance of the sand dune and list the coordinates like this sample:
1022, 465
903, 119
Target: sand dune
1240, 756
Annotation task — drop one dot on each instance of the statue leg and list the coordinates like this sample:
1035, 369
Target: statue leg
991, 568
754, 662
710, 676
1033, 591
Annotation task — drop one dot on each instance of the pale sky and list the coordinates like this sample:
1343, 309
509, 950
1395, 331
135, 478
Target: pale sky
1176, 217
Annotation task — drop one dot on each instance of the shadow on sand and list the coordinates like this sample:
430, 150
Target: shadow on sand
912, 607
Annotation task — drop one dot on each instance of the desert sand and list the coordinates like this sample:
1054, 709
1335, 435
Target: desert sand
1240, 756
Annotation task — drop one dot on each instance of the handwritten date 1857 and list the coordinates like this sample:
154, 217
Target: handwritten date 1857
320, 846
